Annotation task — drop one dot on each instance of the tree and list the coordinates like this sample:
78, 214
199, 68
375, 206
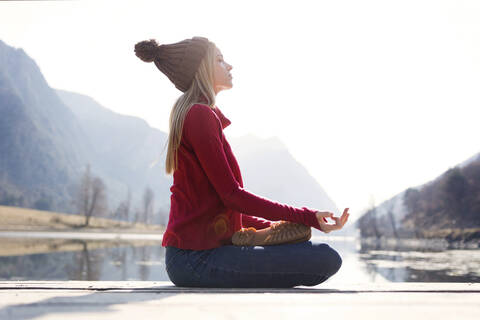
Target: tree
391, 217
455, 190
145, 214
123, 210
372, 215
411, 198
368, 222
92, 199
148, 202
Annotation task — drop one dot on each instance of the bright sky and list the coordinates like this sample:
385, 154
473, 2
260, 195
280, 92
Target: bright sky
372, 97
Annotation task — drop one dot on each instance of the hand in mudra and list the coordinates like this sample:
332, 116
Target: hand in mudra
339, 221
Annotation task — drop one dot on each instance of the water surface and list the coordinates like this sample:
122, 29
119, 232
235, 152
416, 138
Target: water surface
120, 259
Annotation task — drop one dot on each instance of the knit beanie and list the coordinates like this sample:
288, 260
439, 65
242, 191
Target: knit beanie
178, 61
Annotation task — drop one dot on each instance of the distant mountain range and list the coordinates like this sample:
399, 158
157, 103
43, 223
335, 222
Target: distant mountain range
42, 149
269, 169
448, 206
124, 151
48, 136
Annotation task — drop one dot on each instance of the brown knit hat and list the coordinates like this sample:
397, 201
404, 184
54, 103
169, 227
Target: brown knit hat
178, 61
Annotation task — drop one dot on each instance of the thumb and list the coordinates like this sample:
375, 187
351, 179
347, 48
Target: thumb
324, 214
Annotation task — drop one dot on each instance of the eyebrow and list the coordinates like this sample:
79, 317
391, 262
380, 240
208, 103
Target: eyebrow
219, 55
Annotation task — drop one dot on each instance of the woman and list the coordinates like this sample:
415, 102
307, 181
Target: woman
208, 202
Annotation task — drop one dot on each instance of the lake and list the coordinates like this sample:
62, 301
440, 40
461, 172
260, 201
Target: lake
120, 258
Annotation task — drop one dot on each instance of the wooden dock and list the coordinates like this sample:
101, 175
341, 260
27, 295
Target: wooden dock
162, 300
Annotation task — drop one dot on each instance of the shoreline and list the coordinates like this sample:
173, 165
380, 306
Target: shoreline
25, 220
412, 243
155, 231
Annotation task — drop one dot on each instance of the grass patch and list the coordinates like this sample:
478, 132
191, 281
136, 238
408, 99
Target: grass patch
14, 218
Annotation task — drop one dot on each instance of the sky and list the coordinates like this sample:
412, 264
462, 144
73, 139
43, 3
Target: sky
372, 97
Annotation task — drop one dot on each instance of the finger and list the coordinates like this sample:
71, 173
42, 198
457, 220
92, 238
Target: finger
338, 221
327, 228
324, 218
346, 218
341, 221
325, 213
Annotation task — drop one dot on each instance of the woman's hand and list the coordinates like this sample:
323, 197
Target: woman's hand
339, 221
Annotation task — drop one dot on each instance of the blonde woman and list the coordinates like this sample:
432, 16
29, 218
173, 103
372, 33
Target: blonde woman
214, 237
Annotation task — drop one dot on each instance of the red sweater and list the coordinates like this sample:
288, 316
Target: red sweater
208, 201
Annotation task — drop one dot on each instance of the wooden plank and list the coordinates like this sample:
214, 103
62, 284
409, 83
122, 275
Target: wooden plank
150, 299
168, 286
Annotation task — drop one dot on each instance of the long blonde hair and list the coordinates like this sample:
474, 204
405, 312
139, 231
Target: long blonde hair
202, 85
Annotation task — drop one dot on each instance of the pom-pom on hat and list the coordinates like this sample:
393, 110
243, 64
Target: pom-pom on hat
178, 61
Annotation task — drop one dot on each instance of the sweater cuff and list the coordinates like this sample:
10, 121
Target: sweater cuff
312, 219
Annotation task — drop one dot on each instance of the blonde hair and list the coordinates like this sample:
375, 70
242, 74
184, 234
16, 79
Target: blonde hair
202, 84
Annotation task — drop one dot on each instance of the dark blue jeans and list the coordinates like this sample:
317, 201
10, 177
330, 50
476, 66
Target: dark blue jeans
279, 266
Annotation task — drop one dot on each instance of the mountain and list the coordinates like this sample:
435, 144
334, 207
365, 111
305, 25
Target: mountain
41, 145
438, 208
269, 170
48, 137
472, 159
126, 149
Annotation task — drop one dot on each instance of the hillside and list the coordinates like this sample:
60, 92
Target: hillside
48, 137
41, 149
446, 207
13, 218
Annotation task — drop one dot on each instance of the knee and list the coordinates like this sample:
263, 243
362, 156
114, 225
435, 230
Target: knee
328, 263
335, 262
330, 260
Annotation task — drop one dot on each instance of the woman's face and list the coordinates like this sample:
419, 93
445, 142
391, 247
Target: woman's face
222, 76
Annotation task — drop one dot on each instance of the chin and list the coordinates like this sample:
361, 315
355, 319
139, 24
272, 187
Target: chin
224, 87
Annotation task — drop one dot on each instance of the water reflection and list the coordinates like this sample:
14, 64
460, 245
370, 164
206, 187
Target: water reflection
420, 261
82, 260
363, 261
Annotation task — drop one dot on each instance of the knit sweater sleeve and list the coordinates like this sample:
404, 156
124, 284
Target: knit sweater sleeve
251, 221
203, 130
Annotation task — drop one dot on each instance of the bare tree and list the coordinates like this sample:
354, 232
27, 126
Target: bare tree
137, 217
92, 199
83, 201
145, 214
123, 210
392, 219
148, 202
373, 217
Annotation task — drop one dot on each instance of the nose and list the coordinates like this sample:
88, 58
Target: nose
229, 67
